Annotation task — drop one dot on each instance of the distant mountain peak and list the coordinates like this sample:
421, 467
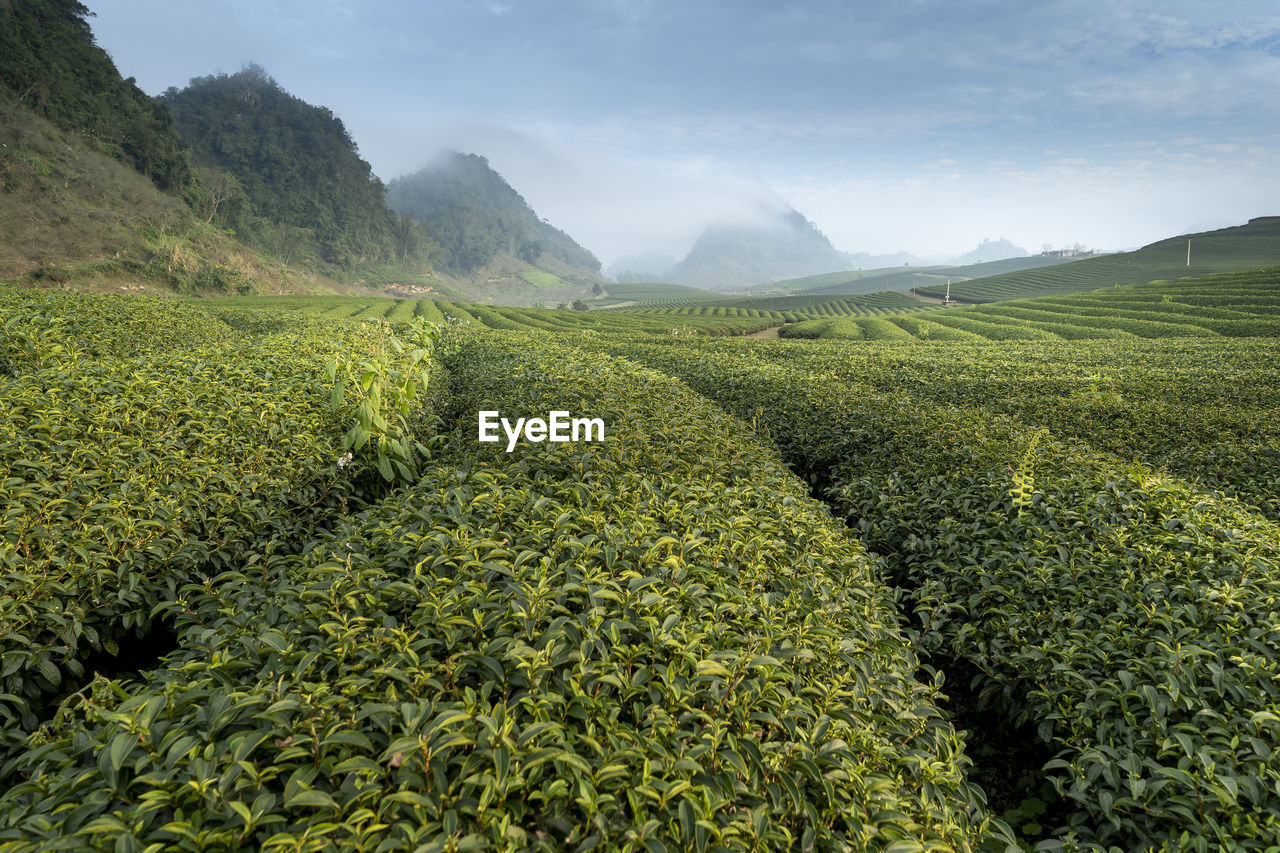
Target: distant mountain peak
991, 250
784, 245
475, 215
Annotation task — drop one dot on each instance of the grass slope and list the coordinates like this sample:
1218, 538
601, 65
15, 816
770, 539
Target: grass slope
905, 278
1243, 247
76, 218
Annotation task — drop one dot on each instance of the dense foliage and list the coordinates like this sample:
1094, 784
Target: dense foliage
1130, 616
145, 445
302, 187
657, 641
473, 214
49, 60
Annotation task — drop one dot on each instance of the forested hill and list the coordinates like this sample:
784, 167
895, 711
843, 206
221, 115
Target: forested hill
49, 59
298, 176
474, 215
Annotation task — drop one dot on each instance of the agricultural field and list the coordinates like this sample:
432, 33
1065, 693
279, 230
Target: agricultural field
1225, 305
1106, 588
718, 320
951, 579
1244, 247
656, 294
906, 278
659, 641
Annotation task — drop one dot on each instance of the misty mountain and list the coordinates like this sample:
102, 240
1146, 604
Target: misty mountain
645, 267
474, 215
785, 246
865, 261
991, 250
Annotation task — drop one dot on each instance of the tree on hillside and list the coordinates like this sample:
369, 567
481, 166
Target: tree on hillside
218, 190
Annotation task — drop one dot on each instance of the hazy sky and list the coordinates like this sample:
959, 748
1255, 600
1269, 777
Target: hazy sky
918, 125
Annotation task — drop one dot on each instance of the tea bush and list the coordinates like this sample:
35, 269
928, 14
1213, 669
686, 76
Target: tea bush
130, 465
1129, 616
654, 642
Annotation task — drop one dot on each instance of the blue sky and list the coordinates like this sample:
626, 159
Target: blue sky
921, 125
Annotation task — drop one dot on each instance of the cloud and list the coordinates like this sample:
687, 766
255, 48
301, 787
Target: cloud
1124, 196
610, 205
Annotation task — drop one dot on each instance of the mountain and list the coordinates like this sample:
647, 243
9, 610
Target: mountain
648, 266
73, 216
991, 250
475, 217
49, 60
299, 185
865, 261
786, 245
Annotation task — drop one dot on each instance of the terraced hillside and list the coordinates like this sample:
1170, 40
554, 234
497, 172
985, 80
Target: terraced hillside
1230, 304
1241, 248
900, 279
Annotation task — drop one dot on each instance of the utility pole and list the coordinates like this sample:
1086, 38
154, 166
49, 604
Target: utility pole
1188, 252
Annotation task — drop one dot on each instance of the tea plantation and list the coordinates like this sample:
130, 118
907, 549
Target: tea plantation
785, 604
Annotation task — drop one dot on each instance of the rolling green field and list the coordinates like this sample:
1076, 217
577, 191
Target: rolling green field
966, 579
905, 278
1229, 304
1244, 247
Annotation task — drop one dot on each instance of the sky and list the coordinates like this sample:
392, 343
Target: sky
923, 126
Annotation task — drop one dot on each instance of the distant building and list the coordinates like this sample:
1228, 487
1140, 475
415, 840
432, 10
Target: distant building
1074, 252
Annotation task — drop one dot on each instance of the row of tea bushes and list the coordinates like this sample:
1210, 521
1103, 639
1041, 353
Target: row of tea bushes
46, 326
1207, 411
654, 642
130, 465
844, 328
1132, 618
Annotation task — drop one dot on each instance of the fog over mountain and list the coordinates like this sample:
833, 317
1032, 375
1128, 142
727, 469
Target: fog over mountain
991, 250
917, 127
778, 246
774, 247
652, 265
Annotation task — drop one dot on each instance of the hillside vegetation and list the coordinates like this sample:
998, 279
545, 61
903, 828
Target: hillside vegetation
291, 180
49, 61
906, 278
1243, 247
1230, 304
75, 217
278, 199
475, 215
